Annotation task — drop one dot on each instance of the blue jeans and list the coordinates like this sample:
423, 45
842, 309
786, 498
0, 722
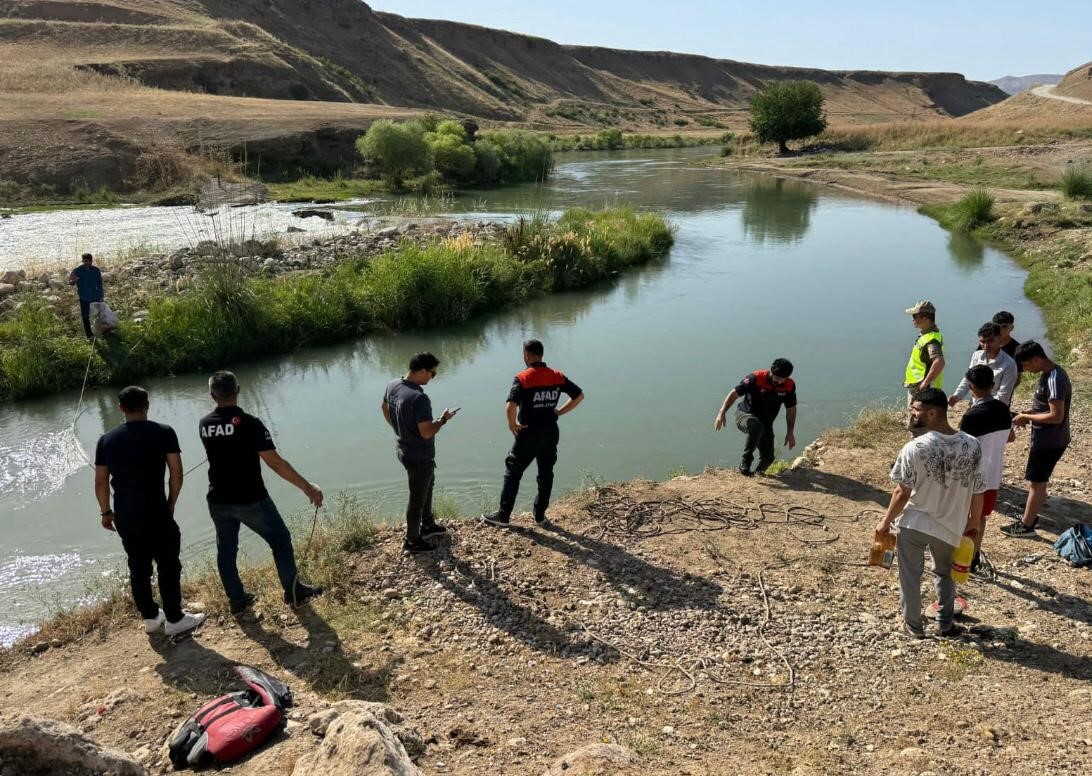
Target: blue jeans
262, 518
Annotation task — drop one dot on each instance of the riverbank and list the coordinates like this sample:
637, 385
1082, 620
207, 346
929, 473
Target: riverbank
709, 624
220, 303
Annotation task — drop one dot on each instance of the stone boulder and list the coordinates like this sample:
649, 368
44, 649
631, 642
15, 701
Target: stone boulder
597, 760
13, 276
359, 739
32, 746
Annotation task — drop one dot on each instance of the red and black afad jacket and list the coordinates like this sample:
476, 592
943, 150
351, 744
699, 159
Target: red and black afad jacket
762, 398
228, 727
537, 390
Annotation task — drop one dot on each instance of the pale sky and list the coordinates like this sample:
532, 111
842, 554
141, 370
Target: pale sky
981, 39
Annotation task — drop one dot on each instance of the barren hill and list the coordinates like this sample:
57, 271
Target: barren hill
231, 73
1077, 83
1014, 84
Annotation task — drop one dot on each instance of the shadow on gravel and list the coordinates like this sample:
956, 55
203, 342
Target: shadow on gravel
1045, 597
475, 587
190, 666
1059, 513
321, 663
1029, 654
636, 580
826, 483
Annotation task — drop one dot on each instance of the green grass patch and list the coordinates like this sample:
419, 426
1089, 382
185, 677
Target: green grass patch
974, 210
231, 314
336, 189
614, 139
872, 427
1076, 183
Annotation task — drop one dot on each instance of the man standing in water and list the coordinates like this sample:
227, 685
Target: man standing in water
88, 282
408, 410
1049, 419
925, 369
236, 444
533, 411
763, 393
938, 495
133, 459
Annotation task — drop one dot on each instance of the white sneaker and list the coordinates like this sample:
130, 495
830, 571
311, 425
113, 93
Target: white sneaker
189, 622
155, 623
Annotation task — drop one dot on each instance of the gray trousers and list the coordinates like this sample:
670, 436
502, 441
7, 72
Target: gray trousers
910, 547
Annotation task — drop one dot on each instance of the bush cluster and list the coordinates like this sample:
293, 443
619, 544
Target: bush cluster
614, 139
447, 151
230, 315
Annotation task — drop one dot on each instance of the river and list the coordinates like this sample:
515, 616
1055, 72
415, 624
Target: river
761, 268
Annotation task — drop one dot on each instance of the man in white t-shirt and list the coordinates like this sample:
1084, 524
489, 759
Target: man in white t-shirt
938, 496
1005, 372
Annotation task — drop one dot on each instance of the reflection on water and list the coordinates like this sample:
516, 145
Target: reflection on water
778, 210
656, 349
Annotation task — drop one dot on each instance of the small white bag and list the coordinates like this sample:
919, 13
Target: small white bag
103, 319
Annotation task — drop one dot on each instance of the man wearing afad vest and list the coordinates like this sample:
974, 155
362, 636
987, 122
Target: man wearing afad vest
925, 369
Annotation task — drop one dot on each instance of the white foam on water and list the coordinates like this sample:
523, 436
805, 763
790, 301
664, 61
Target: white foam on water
20, 577
39, 465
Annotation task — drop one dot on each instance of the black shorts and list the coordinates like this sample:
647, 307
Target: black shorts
1041, 464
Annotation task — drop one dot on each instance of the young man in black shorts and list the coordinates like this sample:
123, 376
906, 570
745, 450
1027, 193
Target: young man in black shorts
133, 458
1049, 419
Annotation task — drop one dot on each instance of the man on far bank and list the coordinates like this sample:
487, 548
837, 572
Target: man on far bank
990, 354
533, 411
1049, 419
408, 410
925, 369
88, 282
763, 393
133, 458
237, 444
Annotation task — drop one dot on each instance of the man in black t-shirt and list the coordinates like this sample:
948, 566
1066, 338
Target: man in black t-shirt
533, 411
408, 410
236, 444
763, 393
133, 459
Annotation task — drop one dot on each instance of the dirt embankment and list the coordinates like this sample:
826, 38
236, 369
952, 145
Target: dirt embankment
711, 624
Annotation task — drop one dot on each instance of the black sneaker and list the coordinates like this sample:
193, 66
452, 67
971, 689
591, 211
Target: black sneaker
432, 529
746, 471
498, 519
240, 605
415, 546
540, 518
303, 593
1018, 530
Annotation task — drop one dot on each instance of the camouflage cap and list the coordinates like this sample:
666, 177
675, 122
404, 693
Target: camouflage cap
922, 307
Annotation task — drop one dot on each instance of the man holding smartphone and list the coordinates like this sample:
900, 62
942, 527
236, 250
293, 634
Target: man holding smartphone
408, 410
533, 410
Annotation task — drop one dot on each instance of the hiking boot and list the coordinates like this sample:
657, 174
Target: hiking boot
240, 605
1018, 530
302, 594
906, 630
151, 625
415, 546
429, 530
745, 470
498, 519
189, 622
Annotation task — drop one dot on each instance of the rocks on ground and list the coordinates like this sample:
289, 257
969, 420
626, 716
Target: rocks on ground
31, 747
597, 760
360, 739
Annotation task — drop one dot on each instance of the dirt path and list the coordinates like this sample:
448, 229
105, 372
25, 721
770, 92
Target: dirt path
1048, 93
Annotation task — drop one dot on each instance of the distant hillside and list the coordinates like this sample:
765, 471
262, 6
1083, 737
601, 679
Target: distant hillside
293, 80
1014, 84
1077, 83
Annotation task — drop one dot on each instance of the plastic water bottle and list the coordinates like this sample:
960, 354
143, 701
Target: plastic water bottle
883, 550
961, 560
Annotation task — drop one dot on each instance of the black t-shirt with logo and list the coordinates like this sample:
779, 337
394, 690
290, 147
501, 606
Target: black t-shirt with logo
232, 441
537, 390
135, 453
762, 398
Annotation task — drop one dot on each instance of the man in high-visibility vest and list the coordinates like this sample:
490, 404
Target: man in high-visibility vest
925, 369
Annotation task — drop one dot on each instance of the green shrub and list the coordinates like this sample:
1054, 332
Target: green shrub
399, 150
1076, 183
974, 210
524, 156
486, 162
454, 158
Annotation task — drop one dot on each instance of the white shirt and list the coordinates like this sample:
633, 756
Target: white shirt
943, 472
1004, 375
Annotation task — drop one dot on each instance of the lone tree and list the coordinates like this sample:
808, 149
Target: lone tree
787, 110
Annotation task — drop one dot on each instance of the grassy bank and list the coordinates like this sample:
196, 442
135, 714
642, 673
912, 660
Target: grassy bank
231, 315
614, 139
